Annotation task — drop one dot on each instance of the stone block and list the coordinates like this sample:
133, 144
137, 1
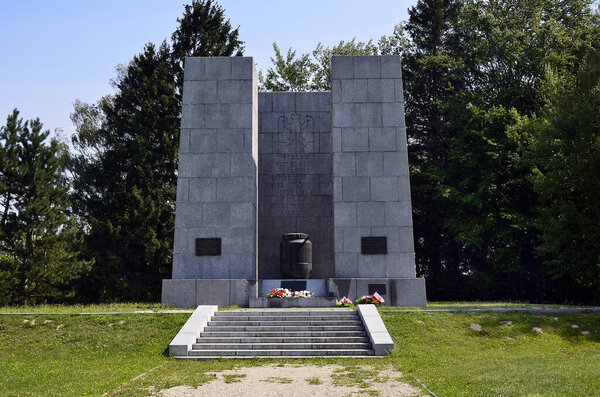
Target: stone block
217, 116
242, 68
232, 140
362, 288
212, 292
401, 139
391, 66
393, 114
338, 239
356, 188
372, 265
268, 122
234, 91
399, 90
342, 67
214, 266
241, 290
265, 102
409, 292
337, 188
342, 115
355, 139
265, 145
368, 114
324, 143
392, 234
215, 214
352, 238
320, 164
232, 240
398, 214
265, 185
202, 92
324, 101
217, 68
400, 264
381, 341
184, 141
354, 90
381, 90
203, 140
366, 67
322, 122
307, 102
395, 163
406, 239
230, 190
384, 188
188, 215
404, 187
242, 266
370, 214
178, 293
369, 164
193, 68
344, 164
202, 190
186, 266
336, 91
241, 115
346, 264
243, 165
341, 287
284, 102
193, 116
336, 139
383, 139
325, 185
180, 241
242, 215
200, 232
344, 214
182, 190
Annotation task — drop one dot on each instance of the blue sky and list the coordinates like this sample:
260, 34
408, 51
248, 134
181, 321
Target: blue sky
54, 52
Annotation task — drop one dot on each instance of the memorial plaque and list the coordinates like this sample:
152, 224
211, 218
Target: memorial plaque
373, 245
294, 285
379, 288
208, 246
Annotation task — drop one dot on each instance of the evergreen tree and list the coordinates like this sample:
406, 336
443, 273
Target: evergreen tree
38, 236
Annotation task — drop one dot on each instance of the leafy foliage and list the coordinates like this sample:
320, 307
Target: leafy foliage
39, 239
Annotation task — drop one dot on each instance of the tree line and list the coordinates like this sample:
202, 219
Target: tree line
502, 113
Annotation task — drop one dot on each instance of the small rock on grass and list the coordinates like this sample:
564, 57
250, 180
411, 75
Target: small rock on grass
475, 327
537, 329
585, 332
574, 326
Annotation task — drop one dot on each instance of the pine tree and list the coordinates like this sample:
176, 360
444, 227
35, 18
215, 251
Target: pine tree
39, 238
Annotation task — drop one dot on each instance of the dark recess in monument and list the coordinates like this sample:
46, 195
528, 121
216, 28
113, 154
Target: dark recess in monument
208, 246
379, 288
294, 285
295, 255
373, 245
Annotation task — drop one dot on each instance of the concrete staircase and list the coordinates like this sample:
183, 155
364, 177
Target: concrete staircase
281, 333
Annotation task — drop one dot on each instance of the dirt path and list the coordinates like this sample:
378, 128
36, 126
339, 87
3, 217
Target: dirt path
300, 380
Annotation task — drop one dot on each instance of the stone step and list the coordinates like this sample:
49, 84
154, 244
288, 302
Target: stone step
283, 323
280, 334
281, 352
284, 339
254, 328
285, 313
282, 346
284, 318
209, 358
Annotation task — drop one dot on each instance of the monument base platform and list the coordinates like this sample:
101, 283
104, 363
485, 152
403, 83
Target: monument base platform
314, 301
240, 292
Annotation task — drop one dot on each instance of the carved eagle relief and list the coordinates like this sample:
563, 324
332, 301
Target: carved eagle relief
295, 131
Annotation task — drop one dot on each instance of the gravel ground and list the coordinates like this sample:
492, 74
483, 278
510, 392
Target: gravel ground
294, 380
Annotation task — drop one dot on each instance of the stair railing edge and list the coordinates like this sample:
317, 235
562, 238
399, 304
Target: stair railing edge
182, 342
381, 341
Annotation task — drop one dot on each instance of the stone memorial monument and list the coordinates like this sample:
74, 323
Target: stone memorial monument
255, 166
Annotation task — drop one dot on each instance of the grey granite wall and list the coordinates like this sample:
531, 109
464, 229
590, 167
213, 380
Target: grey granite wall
370, 167
217, 180
295, 186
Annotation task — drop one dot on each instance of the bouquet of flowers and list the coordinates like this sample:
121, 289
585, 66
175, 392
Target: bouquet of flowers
302, 294
374, 299
344, 302
279, 293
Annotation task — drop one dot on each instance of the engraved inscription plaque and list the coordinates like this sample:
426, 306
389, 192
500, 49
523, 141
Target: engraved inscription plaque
294, 285
208, 246
379, 288
373, 245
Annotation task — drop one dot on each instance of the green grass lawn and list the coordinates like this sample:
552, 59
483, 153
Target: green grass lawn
76, 355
